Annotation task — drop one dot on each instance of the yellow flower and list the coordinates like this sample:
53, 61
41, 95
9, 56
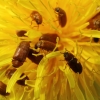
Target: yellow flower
52, 78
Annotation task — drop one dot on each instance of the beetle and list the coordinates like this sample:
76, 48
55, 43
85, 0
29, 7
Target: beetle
10, 72
62, 17
46, 42
35, 59
21, 33
73, 62
94, 23
3, 89
22, 81
21, 54
36, 16
46, 45
49, 37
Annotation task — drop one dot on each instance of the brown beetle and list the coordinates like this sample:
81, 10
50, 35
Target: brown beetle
46, 42
22, 81
94, 23
62, 18
49, 37
46, 45
35, 59
36, 16
21, 54
21, 33
10, 72
3, 89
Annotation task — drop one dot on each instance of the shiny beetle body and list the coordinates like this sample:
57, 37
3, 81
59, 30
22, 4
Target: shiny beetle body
62, 18
47, 42
46, 45
21, 33
22, 81
49, 37
3, 89
10, 72
36, 16
35, 59
73, 62
21, 54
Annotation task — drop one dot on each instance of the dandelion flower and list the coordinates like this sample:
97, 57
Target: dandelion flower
43, 72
